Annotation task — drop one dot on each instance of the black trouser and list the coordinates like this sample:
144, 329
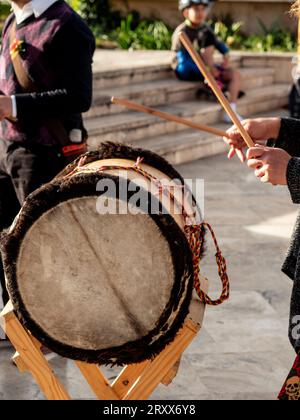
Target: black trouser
23, 169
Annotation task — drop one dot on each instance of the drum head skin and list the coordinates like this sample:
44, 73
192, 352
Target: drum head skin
101, 288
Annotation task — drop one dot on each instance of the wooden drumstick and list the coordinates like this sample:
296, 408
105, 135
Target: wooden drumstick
215, 88
168, 117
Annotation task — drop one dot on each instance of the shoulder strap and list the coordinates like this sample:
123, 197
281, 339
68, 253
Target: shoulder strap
26, 83
54, 125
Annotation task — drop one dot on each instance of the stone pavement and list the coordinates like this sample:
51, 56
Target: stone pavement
243, 350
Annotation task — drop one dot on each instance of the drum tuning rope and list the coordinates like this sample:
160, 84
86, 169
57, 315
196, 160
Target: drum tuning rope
195, 237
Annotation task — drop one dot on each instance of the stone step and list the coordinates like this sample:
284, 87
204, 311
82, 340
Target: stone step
185, 146
132, 126
256, 77
157, 92
167, 91
130, 76
121, 68
190, 145
265, 99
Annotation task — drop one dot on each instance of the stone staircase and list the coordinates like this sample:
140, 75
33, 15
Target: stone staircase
155, 85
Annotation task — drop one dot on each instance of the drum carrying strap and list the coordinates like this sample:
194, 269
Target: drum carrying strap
54, 125
194, 233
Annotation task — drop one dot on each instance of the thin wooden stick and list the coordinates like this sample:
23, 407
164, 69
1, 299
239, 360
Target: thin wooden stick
215, 88
168, 117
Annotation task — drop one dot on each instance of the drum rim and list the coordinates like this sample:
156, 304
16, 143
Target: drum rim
113, 150
50, 196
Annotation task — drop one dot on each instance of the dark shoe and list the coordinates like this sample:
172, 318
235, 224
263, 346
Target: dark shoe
241, 94
205, 93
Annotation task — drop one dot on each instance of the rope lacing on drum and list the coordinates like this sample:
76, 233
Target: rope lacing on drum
195, 237
194, 233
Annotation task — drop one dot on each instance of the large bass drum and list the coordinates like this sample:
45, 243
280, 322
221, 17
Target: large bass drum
92, 273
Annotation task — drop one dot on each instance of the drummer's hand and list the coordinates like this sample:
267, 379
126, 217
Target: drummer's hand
259, 129
5, 107
269, 164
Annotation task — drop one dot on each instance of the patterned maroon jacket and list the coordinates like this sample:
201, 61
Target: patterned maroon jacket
57, 55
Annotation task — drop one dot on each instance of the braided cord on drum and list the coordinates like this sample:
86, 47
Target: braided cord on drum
195, 239
194, 233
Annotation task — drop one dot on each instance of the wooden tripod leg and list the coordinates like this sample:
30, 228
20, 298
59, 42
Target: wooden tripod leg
171, 375
195, 316
128, 377
18, 361
31, 357
97, 381
160, 366
136, 382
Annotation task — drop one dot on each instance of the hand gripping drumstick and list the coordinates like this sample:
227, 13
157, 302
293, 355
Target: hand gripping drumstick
215, 88
168, 117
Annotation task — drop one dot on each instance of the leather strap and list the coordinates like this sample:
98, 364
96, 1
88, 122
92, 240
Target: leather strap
26, 83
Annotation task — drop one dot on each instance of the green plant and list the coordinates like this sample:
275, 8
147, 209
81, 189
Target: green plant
96, 12
146, 34
228, 30
91, 10
4, 11
273, 38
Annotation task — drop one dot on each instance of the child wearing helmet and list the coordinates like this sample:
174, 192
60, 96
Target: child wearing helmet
205, 41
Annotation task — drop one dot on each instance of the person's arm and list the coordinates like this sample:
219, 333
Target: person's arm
289, 136
212, 39
208, 57
289, 140
278, 166
225, 51
259, 129
221, 47
72, 52
176, 41
208, 44
293, 179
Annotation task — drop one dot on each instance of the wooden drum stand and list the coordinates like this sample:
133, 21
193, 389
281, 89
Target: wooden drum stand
135, 382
